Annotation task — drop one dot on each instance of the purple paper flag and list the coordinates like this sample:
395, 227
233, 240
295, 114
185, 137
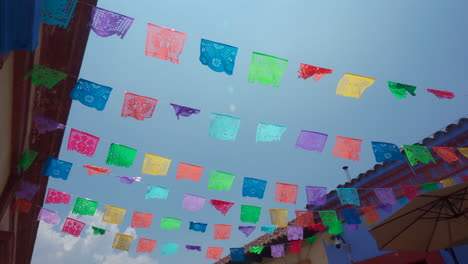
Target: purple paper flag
316, 195
106, 23
193, 202
386, 207
352, 227
48, 216
190, 247
184, 110
385, 195
129, 180
313, 141
295, 233
247, 230
277, 251
44, 124
27, 190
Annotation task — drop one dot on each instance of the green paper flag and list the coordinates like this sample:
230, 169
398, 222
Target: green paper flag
311, 240
250, 214
399, 90
120, 155
46, 76
417, 153
335, 227
84, 206
98, 231
220, 180
430, 186
170, 223
266, 69
27, 159
256, 250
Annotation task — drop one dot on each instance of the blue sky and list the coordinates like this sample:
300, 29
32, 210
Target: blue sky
417, 43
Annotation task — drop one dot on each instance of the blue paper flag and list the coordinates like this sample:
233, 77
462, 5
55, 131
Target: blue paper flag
169, 248
386, 151
91, 94
224, 127
57, 12
237, 254
57, 168
253, 188
268, 229
348, 196
351, 216
198, 227
219, 57
157, 192
268, 132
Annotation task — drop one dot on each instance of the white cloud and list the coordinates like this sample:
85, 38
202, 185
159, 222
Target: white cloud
56, 247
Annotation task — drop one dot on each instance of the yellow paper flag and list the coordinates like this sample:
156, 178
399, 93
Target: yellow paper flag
113, 215
279, 217
122, 242
353, 85
448, 182
155, 165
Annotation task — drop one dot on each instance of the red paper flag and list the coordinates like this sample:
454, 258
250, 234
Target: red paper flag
286, 193
96, 170
221, 206
295, 246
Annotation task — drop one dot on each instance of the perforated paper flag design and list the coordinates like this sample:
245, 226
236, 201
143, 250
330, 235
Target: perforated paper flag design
417, 154
269, 229
330, 219
409, 192
277, 251
247, 230
266, 69
214, 252
386, 151
44, 124
98, 231
352, 85
170, 223
122, 242
221, 206
82, 142
430, 186
442, 94
113, 215
295, 246
27, 159
268, 132
189, 172
155, 165
193, 247
351, 216
312, 141
448, 182
145, 245
96, 170
141, 220
315, 72
73, 227
222, 231
57, 12
138, 107
48, 217
56, 197
22, 205
198, 227
120, 155
184, 111
84, 206
106, 23
295, 233
256, 250
164, 43
371, 214
57, 168
250, 214
253, 188
224, 127
220, 181
446, 153
45, 76
169, 248
385, 195
304, 218
193, 202
286, 193
91, 94
316, 195
348, 196
237, 254
27, 190
129, 180
157, 192
279, 217
347, 148
400, 90
219, 57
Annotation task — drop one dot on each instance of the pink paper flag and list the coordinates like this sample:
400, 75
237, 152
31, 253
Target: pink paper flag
164, 43
73, 227
82, 142
138, 107
56, 197
286, 193
347, 148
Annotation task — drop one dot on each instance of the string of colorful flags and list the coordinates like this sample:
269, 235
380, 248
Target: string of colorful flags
167, 44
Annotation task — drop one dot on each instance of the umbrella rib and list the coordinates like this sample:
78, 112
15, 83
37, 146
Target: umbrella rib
408, 226
461, 204
430, 211
433, 230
